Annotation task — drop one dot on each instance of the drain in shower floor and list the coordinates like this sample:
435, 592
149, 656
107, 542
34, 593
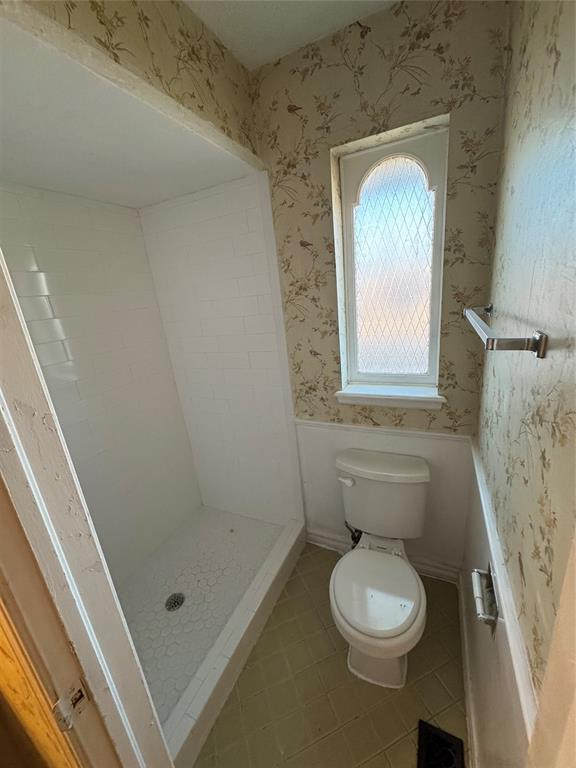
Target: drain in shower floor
174, 601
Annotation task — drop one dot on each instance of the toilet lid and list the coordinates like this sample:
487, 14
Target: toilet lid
378, 593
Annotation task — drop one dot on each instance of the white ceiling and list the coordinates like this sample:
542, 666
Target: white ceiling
259, 31
64, 128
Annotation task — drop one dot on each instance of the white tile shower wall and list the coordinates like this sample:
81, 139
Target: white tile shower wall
440, 550
215, 271
81, 272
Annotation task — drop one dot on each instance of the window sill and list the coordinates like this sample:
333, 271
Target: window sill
391, 397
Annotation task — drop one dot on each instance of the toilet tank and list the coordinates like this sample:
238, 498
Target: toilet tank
384, 493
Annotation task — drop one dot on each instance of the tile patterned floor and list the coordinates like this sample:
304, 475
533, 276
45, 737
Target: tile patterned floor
296, 705
211, 559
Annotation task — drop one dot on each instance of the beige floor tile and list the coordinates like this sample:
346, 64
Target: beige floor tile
251, 681
269, 642
320, 645
428, 655
361, 739
296, 704
309, 622
309, 684
289, 632
378, 761
319, 577
339, 643
295, 586
292, 733
334, 752
284, 698
387, 723
307, 758
263, 749
334, 671
434, 695
227, 730
299, 656
453, 720
410, 708
449, 636
256, 712
321, 718
236, 756
319, 594
317, 559
301, 603
325, 614
275, 669
403, 754
451, 676
345, 702
369, 695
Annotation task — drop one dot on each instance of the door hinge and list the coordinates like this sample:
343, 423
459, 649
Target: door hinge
67, 707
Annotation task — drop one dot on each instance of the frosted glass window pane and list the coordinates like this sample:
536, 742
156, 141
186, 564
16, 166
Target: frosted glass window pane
393, 235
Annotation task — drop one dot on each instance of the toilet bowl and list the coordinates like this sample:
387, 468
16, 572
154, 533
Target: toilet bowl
377, 599
378, 603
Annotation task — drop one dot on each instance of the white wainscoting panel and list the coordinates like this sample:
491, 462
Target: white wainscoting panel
501, 702
440, 550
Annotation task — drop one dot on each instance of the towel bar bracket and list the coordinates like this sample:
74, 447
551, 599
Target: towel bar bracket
537, 343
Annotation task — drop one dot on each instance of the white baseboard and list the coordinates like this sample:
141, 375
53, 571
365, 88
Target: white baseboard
424, 566
471, 713
328, 540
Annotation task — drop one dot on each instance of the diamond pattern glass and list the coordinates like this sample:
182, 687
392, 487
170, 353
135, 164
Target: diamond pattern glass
393, 237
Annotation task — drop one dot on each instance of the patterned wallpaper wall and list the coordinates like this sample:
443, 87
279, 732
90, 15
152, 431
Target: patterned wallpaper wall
414, 61
528, 414
166, 45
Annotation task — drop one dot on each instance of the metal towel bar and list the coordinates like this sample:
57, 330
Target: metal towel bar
536, 343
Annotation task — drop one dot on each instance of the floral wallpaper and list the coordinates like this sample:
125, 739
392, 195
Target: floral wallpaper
413, 61
166, 45
527, 427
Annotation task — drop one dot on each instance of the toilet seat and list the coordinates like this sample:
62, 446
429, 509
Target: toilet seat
379, 647
377, 593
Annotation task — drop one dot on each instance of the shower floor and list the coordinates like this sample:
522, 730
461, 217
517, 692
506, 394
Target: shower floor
211, 560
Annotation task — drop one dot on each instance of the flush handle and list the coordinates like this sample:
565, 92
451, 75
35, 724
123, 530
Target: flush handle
347, 481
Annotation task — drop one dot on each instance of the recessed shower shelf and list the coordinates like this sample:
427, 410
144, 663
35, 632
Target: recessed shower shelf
536, 343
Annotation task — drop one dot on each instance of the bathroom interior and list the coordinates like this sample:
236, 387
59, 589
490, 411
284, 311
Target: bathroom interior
295, 282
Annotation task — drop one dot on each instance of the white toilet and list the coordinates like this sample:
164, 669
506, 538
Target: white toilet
377, 599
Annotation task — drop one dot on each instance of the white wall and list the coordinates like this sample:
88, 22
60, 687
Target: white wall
81, 272
441, 548
500, 697
214, 263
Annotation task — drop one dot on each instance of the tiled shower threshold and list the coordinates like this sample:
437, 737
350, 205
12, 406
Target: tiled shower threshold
231, 570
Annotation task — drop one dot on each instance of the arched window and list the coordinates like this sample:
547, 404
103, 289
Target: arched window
391, 271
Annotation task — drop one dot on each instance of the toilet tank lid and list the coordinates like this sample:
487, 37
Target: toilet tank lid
386, 467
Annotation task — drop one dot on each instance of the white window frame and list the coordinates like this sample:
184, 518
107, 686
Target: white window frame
428, 146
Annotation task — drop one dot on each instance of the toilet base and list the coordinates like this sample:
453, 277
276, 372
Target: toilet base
389, 673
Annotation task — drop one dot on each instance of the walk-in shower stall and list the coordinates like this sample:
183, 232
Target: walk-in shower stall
144, 261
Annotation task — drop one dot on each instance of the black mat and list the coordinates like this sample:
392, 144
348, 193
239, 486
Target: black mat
438, 749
